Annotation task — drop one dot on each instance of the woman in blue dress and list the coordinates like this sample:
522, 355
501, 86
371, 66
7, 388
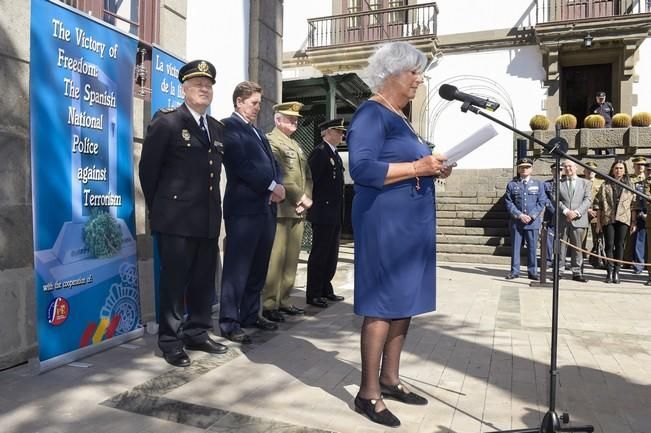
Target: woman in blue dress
393, 225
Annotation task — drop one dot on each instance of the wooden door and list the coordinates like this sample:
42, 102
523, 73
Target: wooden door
581, 9
579, 85
370, 26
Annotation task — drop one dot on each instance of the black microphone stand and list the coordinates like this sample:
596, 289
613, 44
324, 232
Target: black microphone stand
551, 422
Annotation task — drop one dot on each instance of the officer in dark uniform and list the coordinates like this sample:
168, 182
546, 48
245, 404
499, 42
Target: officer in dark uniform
606, 110
180, 168
638, 238
525, 201
326, 214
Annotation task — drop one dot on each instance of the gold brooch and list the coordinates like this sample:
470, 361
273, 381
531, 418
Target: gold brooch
185, 134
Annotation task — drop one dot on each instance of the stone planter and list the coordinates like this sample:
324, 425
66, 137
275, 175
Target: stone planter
639, 136
570, 135
603, 138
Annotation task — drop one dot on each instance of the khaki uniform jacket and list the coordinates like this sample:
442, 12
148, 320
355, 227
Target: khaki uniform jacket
596, 185
610, 211
297, 178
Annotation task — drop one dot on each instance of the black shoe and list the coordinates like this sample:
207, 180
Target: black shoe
334, 298
292, 310
177, 358
273, 315
318, 302
264, 324
512, 276
398, 392
648, 282
238, 336
367, 407
533, 277
579, 278
208, 346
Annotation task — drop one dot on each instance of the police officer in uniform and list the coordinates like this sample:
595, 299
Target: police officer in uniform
180, 168
291, 212
525, 200
638, 237
326, 216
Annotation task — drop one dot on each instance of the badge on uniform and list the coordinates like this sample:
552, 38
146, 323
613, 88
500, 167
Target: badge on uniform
219, 146
332, 162
185, 134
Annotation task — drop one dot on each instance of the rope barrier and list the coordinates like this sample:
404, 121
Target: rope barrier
623, 262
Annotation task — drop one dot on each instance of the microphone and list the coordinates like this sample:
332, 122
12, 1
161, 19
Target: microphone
449, 92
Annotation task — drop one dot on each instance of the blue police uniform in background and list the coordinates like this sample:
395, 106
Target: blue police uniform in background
525, 200
640, 234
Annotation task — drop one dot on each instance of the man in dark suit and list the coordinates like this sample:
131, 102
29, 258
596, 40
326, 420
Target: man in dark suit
254, 186
180, 168
326, 214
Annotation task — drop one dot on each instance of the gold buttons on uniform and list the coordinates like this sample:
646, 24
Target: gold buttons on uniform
212, 175
188, 144
175, 197
210, 188
209, 150
210, 162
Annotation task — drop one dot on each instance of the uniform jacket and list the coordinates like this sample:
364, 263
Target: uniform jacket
328, 176
529, 200
606, 110
179, 173
297, 178
611, 211
579, 200
250, 169
639, 203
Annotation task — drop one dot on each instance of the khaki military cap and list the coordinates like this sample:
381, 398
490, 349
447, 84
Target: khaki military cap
289, 108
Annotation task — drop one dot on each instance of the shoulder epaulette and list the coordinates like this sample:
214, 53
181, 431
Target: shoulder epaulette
167, 110
217, 120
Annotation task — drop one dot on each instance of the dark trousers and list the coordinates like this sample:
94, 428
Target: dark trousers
639, 237
322, 263
614, 237
247, 249
187, 283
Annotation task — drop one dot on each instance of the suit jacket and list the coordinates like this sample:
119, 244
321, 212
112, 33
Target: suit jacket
250, 169
179, 173
328, 191
579, 200
297, 178
529, 200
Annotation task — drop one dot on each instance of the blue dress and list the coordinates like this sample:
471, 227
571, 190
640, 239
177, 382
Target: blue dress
393, 225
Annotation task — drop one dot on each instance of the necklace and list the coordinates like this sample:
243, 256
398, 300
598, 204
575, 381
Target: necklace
404, 119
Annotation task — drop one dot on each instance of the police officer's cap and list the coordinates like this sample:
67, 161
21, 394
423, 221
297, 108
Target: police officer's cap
288, 108
639, 160
197, 68
525, 162
337, 124
601, 93
591, 164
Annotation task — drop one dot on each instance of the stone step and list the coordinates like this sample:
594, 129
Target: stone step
473, 231
474, 259
467, 200
471, 207
455, 222
501, 250
476, 215
472, 240
470, 194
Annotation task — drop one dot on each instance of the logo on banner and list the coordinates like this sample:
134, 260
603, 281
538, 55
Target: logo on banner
58, 311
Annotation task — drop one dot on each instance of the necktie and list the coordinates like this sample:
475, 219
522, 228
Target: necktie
204, 130
571, 187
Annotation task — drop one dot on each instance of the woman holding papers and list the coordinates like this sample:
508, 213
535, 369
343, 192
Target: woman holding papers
394, 224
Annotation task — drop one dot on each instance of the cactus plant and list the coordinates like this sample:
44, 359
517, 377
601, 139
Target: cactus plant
566, 121
641, 119
621, 120
539, 122
594, 121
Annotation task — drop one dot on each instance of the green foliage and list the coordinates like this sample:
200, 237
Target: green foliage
641, 119
102, 235
566, 121
594, 121
539, 122
621, 120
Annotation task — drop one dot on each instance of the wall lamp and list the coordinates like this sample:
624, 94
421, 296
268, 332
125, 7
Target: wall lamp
587, 41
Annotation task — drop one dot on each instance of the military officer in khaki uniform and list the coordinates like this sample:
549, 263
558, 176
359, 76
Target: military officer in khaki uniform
297, 180
637, 239
590, 175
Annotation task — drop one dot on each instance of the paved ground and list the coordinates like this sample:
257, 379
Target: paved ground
482, 360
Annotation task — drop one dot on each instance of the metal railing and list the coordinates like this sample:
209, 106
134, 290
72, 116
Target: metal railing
378, 25
572, 10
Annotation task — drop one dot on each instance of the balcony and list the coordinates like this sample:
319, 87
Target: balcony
550, 11
379, 25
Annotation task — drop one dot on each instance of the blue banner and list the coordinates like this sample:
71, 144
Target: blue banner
81, 102
166, 90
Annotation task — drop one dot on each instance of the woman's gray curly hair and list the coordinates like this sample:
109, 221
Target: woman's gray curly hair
392, 59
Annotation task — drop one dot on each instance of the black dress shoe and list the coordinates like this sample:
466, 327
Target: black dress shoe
334, 298
367, 407
292, 310
579, 278
238, 336
177, 358
318, 302
398, 392
208, 346
273, 315
533, 277
512, 276
265, 325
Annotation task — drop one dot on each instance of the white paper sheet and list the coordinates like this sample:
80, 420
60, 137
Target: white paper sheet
476, 139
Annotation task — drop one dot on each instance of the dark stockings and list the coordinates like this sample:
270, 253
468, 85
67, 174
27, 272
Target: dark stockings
381, 345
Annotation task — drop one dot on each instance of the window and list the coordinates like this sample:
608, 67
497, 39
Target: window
353, 7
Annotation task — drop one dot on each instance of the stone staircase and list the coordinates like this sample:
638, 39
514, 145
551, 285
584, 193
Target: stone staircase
472, 221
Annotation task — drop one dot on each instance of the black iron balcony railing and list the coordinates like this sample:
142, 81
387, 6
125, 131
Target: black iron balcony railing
571, 10
378, 25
